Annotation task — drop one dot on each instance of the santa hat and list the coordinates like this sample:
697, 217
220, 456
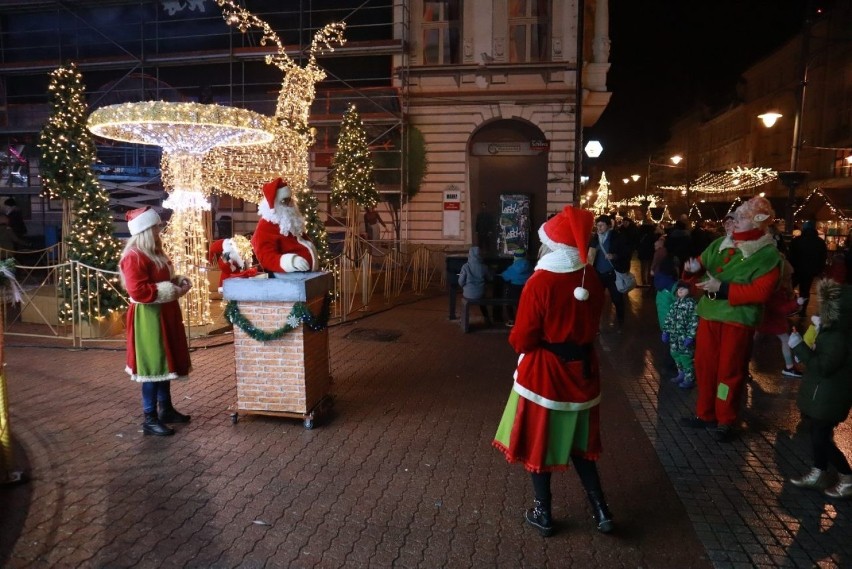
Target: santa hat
275, 191
216, 248
140, 219
571, 227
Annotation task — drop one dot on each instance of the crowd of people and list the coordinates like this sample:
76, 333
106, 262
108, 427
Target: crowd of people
717, 286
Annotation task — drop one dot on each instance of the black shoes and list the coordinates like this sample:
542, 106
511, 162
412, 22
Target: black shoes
153, 426
724, 433
169, 414
539, 517
601, 513
697, 423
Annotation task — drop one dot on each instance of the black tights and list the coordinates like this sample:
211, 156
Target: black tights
824, 448
586, 469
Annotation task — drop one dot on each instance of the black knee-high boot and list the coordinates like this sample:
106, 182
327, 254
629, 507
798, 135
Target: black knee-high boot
587, 470
539, 515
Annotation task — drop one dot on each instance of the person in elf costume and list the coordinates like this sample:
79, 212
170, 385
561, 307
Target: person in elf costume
737, 274
226, 254
552, 417
157, 351
280, 242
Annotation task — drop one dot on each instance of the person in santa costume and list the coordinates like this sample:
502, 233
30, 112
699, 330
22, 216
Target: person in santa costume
157, 351
280, 242
737, 275
226, 254
552, 418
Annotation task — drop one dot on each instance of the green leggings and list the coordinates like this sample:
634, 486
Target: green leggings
685, 363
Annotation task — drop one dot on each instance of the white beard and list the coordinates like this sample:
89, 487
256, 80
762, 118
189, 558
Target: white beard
289, 220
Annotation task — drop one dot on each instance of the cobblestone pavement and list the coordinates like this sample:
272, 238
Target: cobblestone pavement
401, 474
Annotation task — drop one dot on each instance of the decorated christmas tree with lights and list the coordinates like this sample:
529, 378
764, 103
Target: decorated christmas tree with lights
67, 154
601, 205
352, 167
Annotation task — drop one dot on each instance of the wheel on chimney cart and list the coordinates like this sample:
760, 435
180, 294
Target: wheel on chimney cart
309, 421
235, 417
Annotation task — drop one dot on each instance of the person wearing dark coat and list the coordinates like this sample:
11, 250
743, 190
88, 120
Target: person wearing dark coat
808, 255
608, 253
825, 396
645, 251
679, 243
16, 218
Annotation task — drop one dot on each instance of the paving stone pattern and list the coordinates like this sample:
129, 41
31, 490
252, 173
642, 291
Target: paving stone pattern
401, 473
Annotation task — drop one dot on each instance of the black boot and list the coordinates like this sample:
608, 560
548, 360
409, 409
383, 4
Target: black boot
153, 426
603, 517
169, 414
539, 517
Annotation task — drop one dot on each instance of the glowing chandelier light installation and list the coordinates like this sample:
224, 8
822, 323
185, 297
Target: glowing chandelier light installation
186, 132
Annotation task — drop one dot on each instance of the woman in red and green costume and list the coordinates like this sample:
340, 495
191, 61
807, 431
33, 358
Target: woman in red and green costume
552, 417
737, 274
157, 351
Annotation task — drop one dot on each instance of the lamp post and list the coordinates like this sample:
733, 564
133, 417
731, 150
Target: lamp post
675, 163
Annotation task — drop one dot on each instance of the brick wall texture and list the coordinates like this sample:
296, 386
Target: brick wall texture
288, 375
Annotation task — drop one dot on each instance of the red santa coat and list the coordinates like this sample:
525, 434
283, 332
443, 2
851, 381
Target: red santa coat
269, 245
550, 390
156, 341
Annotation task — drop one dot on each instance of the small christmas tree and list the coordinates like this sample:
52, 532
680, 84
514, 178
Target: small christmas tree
309, 207
68, 153
352, 166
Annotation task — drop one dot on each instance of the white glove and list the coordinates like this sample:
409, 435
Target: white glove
801, 301
795, 340
817, 321
693, 265
292, 263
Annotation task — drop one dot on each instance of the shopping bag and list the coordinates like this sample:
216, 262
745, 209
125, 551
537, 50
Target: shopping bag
624, 282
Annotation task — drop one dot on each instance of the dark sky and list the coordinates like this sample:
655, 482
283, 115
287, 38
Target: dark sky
669, 55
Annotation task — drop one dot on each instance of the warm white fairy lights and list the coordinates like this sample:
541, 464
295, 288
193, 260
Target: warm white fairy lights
737, 179
185, 131
635, 201
185, 243
241, 172
835, 211
180, 127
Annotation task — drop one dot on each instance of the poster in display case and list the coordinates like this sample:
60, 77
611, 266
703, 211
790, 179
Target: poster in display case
514, 223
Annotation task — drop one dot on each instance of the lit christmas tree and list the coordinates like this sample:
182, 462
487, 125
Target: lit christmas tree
352, 167
67, 153
309, 207
601, 205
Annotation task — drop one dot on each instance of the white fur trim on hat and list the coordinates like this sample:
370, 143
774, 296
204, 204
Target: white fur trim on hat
143, 221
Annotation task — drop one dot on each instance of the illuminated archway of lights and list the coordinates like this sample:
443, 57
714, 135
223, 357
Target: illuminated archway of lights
186, 132
737, 179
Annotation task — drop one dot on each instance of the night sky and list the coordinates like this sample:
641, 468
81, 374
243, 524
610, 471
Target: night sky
669, 55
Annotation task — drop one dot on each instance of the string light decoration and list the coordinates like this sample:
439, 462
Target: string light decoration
737, 179
241, 172
835, 211
601, 205
186, 131
635, 201
67, 154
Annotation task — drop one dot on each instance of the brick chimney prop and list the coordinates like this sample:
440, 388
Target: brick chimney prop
290, 376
